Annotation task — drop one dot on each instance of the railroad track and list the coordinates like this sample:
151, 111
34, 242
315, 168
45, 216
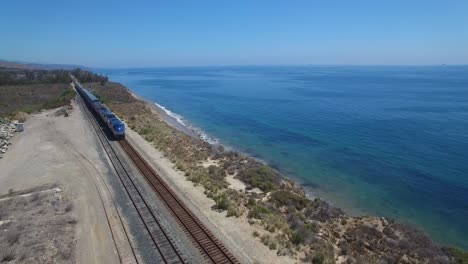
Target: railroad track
204, 240
209, 246
165, 246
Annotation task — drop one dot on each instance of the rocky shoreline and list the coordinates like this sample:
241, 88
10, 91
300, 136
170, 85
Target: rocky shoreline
305, 230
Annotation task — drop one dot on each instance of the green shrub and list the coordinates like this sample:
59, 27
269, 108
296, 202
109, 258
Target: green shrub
318, 259
271, 228
459, 256
146, 130
304, 234
216, 173
297, 237
275, 221
222, 202
258, 212
266, 239
311, 227
62, 100
262, 177
68, 93
273, 245
27, 110
288, 198
232, 211
195, 177
323, 253
251, 202
101, 98
180, 166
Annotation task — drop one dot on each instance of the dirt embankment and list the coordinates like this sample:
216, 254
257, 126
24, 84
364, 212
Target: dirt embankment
261, 205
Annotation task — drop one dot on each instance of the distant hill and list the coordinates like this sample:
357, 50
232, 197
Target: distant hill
37, 66
14, 65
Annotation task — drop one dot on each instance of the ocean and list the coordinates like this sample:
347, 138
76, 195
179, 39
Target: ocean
373, 140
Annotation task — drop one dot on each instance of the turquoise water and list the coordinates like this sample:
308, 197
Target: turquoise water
387, 141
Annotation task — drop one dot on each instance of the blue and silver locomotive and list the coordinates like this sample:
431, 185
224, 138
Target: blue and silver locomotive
114, 124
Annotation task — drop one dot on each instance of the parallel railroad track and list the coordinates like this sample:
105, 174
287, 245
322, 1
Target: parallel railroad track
209, 246
165, 246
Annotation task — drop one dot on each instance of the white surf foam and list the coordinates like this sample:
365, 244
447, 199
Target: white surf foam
181, 120
177, 117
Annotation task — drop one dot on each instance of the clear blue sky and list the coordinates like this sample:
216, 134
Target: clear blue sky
173, 33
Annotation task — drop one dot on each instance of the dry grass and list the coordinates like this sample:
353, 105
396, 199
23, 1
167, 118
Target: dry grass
32, 97
35, 197
41, 230
3, 215
7, 255
12, 237
69, 208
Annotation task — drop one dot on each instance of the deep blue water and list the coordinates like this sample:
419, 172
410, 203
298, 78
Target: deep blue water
390, 141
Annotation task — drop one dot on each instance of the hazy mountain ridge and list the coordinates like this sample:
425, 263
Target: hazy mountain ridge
38, 66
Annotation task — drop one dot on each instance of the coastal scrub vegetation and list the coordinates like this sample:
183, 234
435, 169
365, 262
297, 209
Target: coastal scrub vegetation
22, 77
87, 76
459, 256
262, 177
63, 99
28, 91
33, 97
309, 230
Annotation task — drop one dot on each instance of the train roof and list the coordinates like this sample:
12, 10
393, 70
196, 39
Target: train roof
90, 95
104, 110
115, 121
99, 106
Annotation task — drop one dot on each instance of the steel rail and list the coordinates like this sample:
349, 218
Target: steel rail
208, 245
165, 246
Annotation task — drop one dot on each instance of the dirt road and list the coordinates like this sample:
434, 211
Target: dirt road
63, 151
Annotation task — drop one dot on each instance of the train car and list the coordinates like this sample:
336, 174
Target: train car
98, 107
116, 127
103, 112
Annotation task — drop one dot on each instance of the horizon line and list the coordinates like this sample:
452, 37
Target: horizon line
278, 65
239, 65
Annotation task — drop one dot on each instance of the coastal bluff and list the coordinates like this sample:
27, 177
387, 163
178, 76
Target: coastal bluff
285, 220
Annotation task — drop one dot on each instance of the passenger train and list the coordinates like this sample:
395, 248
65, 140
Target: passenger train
114, 124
